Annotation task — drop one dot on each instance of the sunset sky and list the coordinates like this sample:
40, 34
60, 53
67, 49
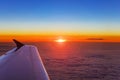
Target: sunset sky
46, 20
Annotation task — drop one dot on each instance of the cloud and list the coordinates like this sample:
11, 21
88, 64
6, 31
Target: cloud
95, 39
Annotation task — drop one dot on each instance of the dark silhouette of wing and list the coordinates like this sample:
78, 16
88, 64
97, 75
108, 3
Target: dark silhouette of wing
18, 44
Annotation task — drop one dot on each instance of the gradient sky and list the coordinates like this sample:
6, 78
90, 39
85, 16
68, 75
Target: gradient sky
60, 17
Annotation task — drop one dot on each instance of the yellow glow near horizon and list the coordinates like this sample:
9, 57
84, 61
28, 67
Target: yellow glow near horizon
60, 40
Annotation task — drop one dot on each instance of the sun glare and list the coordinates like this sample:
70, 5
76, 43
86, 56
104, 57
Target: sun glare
60, 40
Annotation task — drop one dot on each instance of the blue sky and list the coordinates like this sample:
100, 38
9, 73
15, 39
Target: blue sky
62, 16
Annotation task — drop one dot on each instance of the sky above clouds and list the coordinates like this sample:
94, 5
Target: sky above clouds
61, 17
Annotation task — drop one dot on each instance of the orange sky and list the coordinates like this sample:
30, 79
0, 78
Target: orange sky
37, 38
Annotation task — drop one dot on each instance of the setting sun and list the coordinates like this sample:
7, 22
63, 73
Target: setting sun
60, 40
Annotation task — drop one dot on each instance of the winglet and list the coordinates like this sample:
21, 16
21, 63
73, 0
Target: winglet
18, 44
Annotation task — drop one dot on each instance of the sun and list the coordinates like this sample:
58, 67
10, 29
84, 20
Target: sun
60, 40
